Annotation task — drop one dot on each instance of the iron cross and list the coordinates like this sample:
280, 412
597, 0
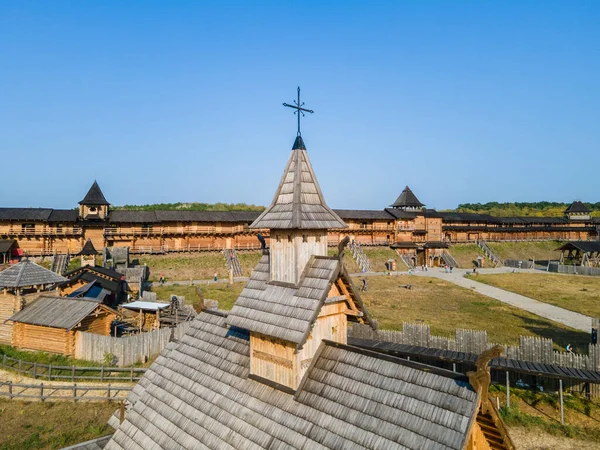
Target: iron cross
299, 109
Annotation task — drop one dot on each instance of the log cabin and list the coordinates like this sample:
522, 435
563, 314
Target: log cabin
276, 372
50, 324
104, 284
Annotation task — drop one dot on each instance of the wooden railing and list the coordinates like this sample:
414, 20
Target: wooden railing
42, 231
54, 392
51, 372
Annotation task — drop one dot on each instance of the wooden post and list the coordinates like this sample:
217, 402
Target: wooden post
507, 390
10, 393
42, 391
121, 411
50, 372
562, 406
72, 374
108, 392
102, 373
453, 367
20, 364
132, 374
74, 392
34, 370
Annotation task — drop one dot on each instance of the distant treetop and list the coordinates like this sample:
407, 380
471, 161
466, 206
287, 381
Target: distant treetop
515, 209
193, 206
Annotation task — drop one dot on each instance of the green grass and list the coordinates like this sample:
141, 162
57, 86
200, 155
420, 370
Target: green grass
573, 292
51, 425
225, 294
526, 250
199, 266
465, 254
534, 410
445, 307
44, 358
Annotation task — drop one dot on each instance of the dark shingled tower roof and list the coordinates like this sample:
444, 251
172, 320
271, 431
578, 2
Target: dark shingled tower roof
577, 207
94, 197
88, 249
407, 200
298, 201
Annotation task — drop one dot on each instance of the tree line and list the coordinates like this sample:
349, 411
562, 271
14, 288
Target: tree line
193, 206
512, 209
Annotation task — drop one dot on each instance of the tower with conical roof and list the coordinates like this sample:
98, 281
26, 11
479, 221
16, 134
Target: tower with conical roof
94, 205
407, 200
298, 218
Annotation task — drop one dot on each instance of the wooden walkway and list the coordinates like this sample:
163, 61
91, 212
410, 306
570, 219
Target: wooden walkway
65, 392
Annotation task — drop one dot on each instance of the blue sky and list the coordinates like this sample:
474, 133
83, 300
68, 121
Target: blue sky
181, 101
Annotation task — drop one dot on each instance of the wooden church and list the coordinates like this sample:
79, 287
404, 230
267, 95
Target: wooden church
276, 371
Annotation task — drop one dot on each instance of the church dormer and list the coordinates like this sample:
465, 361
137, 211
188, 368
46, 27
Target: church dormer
94, 206
298, 218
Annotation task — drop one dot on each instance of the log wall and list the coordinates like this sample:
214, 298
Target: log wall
47, 339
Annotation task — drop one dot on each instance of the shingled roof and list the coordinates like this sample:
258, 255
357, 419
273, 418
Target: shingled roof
88, 249
407, 200
288, 312
577, 207
298, 201
27, 273
198, 394
57, 312
94, 197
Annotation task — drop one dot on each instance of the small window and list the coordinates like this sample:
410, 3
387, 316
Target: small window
363, 225
318, 239
304, 238
289, 238
92, 209
278, 238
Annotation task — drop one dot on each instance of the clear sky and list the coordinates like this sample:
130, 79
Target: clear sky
181, 100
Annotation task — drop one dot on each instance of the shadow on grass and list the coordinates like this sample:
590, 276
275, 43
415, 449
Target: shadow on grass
579, 340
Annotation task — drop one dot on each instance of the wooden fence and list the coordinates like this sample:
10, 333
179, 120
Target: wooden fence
530, 348
71, 392
578, 270
127, 350
73, 373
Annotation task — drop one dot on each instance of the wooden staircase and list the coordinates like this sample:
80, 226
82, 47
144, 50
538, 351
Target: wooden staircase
487, 251
449, 259
60, 264
232, 262
360, 257
492, 435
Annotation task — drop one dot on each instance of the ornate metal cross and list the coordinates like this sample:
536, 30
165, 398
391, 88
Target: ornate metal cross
299, 109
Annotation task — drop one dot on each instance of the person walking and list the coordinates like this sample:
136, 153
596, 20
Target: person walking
215, 277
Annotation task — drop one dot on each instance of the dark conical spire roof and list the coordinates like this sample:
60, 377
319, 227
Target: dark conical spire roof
299, 144
94, 197
88, 249
577, 207
407, 200
298, 202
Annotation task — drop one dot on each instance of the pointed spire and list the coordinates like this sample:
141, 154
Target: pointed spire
407, 200
88, 249
94, 197
298, 201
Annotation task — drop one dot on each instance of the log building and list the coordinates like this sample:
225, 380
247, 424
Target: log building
42, 231
276, 372
50, 324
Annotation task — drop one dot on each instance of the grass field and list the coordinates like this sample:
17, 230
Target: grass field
51, 425
445, 307
576, 293
199, 266
526, 250
465, 254
376, 255
223, 292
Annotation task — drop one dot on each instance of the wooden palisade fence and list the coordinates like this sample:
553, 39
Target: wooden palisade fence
530, 348
127, 350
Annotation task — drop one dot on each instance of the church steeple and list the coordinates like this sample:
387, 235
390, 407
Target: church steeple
298, 218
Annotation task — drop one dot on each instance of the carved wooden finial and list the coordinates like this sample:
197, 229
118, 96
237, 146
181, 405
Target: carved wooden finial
481, 378
342, 246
